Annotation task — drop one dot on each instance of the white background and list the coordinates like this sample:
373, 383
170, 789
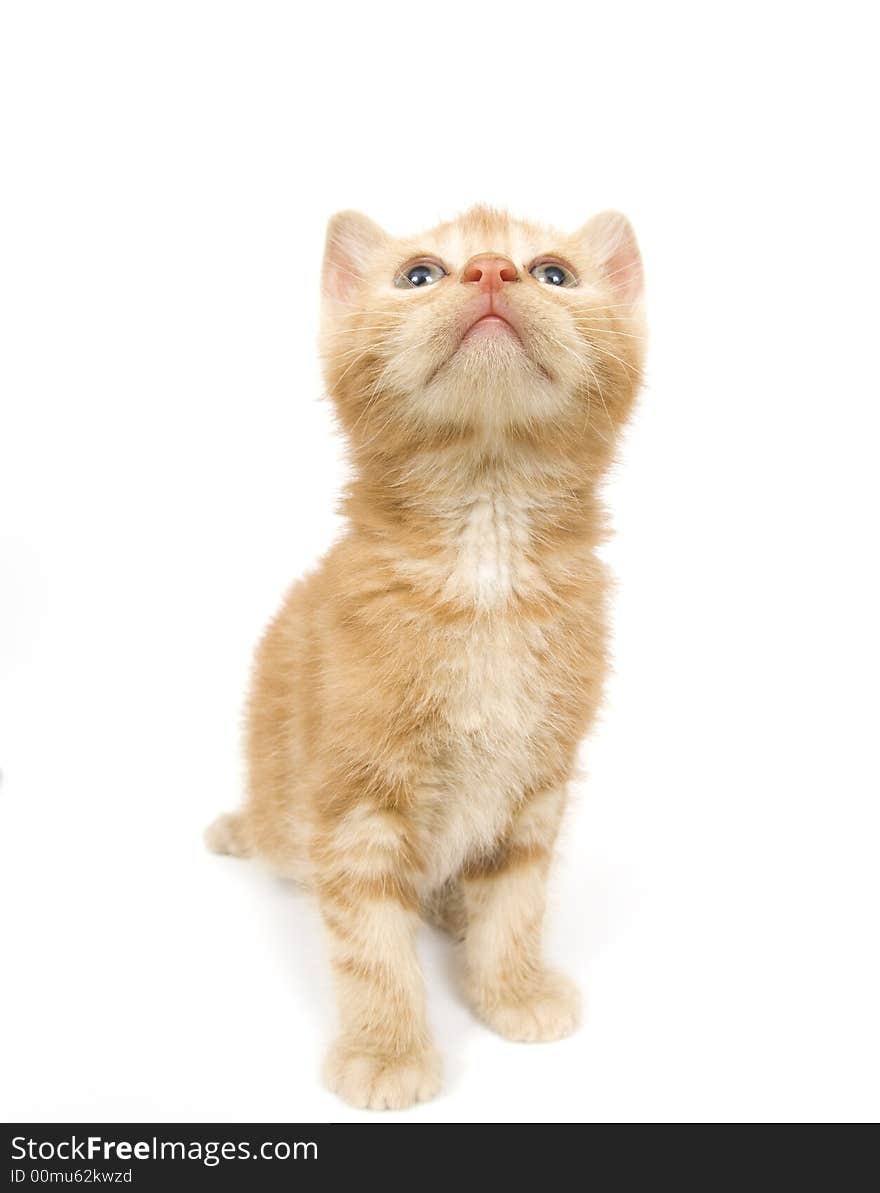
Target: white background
167, 467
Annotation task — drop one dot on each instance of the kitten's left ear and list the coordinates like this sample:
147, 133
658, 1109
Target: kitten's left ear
611, 242
352, 239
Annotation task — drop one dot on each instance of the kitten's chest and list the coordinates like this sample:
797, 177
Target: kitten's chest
490, 661
491, 687
493, 699
487, 557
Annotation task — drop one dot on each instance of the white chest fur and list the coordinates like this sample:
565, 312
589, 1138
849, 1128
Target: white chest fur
490, 678
496, 697
489, 545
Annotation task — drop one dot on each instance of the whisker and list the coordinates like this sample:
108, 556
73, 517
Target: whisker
612, 331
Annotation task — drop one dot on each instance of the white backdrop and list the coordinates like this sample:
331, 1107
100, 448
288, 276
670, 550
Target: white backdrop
167, 467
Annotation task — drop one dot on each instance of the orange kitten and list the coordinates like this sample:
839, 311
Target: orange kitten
418, 701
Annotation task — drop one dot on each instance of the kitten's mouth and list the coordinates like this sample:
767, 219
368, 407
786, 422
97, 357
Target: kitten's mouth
489, 321
491, 324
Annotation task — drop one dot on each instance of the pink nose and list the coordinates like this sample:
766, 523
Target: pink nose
490, 271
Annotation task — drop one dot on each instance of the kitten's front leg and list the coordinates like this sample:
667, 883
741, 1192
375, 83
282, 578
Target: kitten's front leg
384, 1057
510, 986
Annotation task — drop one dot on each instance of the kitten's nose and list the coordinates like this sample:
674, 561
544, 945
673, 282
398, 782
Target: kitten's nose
490, 271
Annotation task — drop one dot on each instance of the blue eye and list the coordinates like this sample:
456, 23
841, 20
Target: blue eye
420, 273
553, 273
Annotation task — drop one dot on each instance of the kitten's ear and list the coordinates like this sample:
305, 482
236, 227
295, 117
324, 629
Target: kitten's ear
610, 240
351, 241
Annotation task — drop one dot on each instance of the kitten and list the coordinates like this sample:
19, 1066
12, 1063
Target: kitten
418, 701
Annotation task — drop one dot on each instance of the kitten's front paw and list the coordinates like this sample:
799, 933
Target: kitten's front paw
548, 1010
376, 1082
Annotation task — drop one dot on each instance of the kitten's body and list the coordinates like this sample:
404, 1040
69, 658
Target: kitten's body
418, 701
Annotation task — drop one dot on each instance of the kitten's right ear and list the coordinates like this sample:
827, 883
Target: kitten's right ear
612, 244
352, 239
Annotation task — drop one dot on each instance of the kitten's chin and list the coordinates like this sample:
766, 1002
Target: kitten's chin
491, 381
492, 352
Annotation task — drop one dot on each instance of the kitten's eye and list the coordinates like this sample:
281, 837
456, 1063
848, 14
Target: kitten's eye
420, 273
553, 273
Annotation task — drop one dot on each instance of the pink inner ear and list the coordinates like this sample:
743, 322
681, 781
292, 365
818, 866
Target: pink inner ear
610, 240
340, 276
623, 269
351, 239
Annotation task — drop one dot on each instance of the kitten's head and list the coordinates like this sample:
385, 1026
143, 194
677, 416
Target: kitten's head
485, 327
